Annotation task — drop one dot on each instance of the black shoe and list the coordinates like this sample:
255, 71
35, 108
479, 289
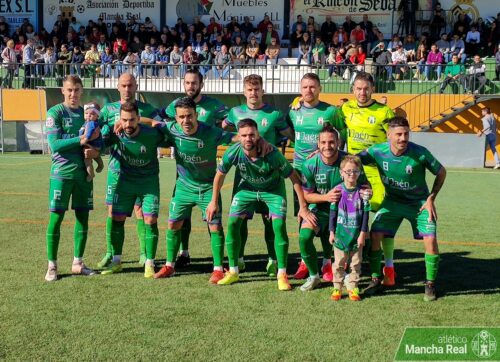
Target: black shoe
375, 286
182, 261
430, 292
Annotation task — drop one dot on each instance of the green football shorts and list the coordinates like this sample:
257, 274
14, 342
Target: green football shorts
185, 199
111, 183
128, 191
391, 213
80, 191
245, 202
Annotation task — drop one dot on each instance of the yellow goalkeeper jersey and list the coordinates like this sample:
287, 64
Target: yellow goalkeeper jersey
366, 125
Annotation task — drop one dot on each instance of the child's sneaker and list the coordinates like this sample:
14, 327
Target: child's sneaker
354, 295
336, 295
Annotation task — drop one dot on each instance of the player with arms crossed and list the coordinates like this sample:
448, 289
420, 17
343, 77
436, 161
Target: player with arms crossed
262, 181
134, 148
308, 120
210, 111
110, 114
196, 158
320, 174
271, 126
402, 165
68, 176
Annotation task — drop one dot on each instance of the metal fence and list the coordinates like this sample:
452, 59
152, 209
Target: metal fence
279, 78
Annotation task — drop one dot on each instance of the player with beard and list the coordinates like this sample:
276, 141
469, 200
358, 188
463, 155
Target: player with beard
262, 181
210, 111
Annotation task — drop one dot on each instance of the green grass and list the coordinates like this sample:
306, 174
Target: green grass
125, 317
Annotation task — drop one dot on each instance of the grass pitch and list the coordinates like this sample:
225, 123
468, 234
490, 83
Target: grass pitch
126, 317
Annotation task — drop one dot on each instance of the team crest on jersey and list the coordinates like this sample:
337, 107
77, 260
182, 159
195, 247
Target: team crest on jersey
371, 120
300, 120
243, 167
50, 122
409, 169
264, 122
143, 149
321, 121
202, 112
201, 144
68, 122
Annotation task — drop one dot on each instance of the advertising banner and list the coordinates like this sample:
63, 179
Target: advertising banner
85, 10
15, 12
224, 10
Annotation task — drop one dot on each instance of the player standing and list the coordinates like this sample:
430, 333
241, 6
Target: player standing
320, 174
110, 114
271, 126
366, 121
68, 176
134, 148
402, 166
307, 121
210, 111
196, 157
262, 181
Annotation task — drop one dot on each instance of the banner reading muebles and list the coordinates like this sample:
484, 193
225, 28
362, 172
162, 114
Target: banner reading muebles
224, 10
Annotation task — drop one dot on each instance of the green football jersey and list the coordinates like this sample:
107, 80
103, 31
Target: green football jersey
262, 174
136, 155
62, 126
318, 177
196, 155
270, 121
210, 110
110, 114
307, 123
403, 176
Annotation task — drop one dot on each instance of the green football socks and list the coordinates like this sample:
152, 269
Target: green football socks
109, 245
431, 266
173, 244
217, 244
80, 232
185, 232
117, 236
243, 237
308, 251
54, 234
375, 263
233, 240
280, 242
141, 235
151, 240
